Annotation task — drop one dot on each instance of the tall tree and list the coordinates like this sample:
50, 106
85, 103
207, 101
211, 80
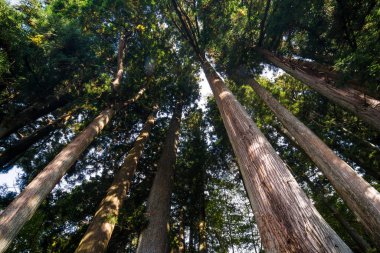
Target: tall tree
360, 196
154, 238
270, 186
100, 230
366, 108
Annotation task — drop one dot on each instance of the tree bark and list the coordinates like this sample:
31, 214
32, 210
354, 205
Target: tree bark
359, 195
35, 111
364, 107
12, 153
154, 238
100, 230
287, 220
24, 206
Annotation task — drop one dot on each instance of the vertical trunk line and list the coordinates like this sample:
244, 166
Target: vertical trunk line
359, 195
154, 238
99, 232
287, 220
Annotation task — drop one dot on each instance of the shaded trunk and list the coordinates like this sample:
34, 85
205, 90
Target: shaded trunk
263, 22
24, 206
181, 235
359, 195
365, 107
282, 210
10, 124
12, 154
154, 238
100, 230
360, 241
202, 223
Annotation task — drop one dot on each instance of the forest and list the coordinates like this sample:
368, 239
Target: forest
199, 126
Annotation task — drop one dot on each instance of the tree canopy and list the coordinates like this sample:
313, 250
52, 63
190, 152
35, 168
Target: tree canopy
84, 76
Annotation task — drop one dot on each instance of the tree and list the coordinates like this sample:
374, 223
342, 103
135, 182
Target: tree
366, 108
257, 159
100, 230
154, 237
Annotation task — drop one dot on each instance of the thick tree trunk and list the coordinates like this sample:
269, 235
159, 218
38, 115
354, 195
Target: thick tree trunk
37, 110
287, 220
12, 153
365, 107
100, 230
358, 194
154, 238
24, 206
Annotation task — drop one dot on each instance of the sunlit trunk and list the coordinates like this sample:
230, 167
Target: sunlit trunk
154, 238
358, 194
101, 227
24, 206
282, 210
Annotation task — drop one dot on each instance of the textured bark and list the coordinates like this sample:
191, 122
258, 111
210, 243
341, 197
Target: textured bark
37, 110
25, 205
100, 230
12, 153
358, 194
154, 238
287, 220
365, 107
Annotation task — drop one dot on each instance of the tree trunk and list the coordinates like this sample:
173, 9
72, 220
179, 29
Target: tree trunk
358, 194
263, 22
365, 107
154, 238
282, 210
202, 221
181, 237
12, 153
24, 206
35, 111
120, 66
360, 241
100, 230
